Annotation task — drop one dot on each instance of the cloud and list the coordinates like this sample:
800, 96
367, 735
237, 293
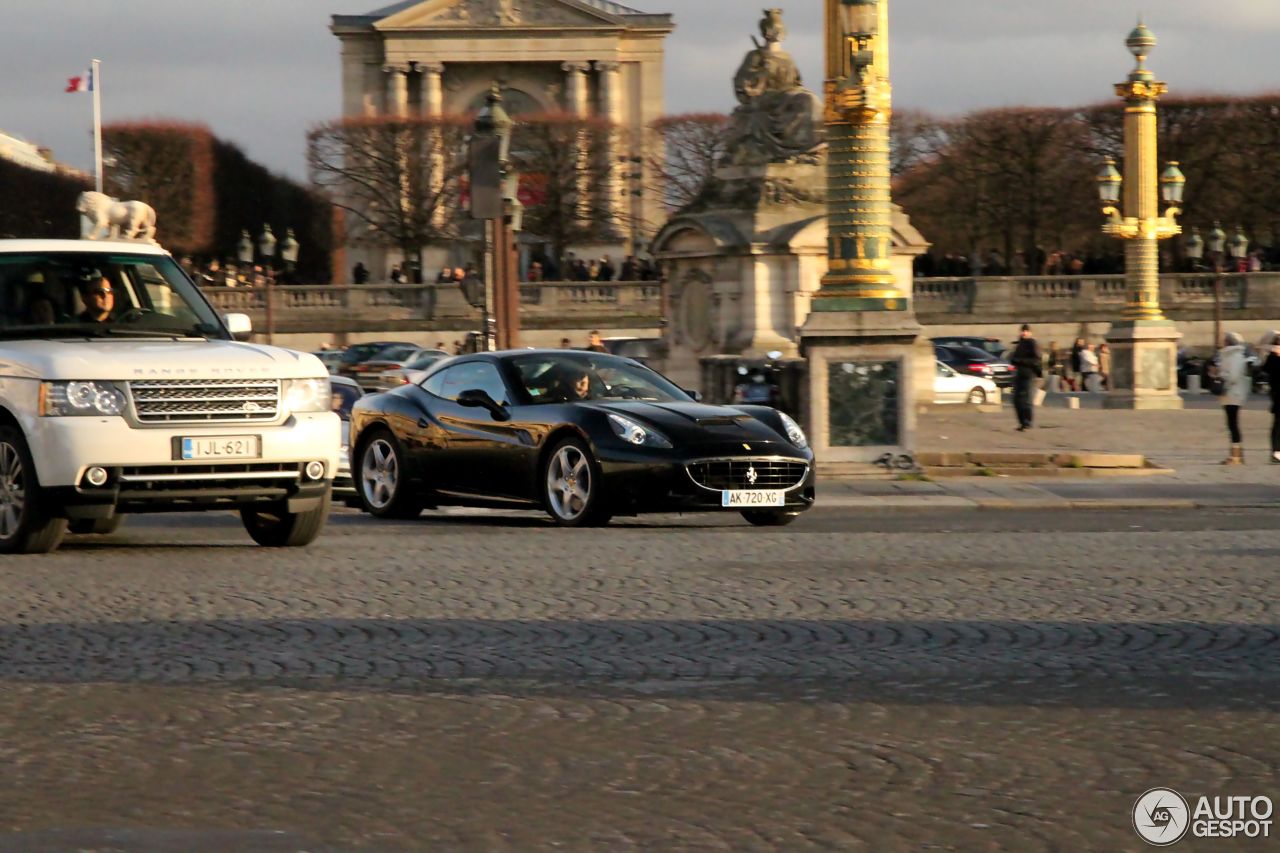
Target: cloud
260, 72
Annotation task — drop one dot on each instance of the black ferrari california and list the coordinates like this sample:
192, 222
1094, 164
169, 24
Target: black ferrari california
583, 435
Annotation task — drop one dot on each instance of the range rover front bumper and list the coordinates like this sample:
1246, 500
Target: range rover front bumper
144, 476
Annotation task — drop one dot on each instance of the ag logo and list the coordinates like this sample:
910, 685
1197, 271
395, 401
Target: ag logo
1161, 817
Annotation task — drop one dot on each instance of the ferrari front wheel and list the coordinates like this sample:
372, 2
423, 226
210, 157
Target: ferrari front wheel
573, 486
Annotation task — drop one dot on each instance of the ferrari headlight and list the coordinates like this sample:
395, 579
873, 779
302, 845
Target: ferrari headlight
637, 434
91, 399
794, 434
307, 395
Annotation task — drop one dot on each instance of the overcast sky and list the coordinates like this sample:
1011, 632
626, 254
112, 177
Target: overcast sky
260, 72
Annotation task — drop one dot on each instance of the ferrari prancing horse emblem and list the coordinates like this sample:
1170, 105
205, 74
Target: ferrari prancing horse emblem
752, 476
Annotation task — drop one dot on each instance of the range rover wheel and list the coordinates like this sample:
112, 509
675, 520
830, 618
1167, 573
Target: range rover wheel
572, 486
276, 527
761, 518
381, 484
26, 524
96, 526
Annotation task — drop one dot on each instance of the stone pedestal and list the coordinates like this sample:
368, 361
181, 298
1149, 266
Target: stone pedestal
866, 370
1144, 365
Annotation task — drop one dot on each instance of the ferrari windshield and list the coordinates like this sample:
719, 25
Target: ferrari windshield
100, 293
576, 376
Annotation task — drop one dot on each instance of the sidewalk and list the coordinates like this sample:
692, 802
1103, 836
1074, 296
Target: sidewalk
1191, 442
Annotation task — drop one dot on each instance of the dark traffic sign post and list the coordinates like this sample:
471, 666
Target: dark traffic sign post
492, 181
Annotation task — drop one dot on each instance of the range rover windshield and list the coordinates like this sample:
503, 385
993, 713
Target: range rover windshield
100, 294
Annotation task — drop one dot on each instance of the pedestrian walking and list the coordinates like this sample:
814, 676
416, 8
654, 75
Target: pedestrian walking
1088, 367
1027, 369
1271, 367
1073, 369
1232, 383
1104, 366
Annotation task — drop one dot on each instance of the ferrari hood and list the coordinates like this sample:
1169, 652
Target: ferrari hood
698, 423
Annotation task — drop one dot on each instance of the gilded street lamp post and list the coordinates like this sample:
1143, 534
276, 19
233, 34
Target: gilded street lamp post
1144, 343
861, 337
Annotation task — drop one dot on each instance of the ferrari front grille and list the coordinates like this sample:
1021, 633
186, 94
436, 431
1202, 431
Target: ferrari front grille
738, 474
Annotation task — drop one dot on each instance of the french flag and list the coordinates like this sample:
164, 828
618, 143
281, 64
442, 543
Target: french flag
81, 84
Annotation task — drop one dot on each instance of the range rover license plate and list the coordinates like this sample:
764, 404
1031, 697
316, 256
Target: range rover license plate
222, 447
759, 497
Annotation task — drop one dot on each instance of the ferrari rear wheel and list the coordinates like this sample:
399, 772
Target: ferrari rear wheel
573, 486
761, 518
381, 484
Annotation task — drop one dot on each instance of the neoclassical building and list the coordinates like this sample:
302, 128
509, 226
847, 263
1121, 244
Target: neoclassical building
586, 57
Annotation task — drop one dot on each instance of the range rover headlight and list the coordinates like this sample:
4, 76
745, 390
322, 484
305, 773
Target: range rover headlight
637, 434
794, 434
307, 395
91, 399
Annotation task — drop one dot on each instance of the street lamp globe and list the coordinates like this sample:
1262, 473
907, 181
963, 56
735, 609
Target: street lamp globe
1217, 240
1172, 184
1194, 246
244, 249
1109, 182
1238, 246
267, 243
289, 248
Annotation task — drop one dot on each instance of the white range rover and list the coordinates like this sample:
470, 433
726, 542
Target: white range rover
122, 391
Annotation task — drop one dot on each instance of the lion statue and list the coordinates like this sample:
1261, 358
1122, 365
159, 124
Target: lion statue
110, 219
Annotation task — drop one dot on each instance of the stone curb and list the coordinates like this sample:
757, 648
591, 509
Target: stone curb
910, 504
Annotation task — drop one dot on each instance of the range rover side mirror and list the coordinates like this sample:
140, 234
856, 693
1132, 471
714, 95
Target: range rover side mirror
697, 396
476, 398
239, 325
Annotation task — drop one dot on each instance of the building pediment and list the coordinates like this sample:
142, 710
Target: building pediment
498, 14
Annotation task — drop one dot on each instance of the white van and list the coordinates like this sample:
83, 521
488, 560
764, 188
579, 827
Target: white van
122, 391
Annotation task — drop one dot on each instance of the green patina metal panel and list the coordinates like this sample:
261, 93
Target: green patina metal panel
863, 403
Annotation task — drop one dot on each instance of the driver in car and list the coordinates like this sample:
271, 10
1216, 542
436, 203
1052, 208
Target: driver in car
98, 298
573, 384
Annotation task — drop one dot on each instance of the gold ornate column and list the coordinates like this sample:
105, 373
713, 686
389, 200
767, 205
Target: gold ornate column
867, 361
1143, 343
859, 105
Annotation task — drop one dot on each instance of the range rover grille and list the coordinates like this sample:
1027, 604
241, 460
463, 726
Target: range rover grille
721, 474
206, 400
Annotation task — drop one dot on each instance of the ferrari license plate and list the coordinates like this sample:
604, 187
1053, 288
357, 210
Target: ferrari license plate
759, 497
222, 447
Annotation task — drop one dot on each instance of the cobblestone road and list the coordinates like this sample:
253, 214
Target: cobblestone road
929, 681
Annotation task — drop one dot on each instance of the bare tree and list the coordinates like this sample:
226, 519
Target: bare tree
400, 178
567, 172
170, 166
684, 150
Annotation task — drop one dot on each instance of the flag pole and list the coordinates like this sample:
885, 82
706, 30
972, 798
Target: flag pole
96, 79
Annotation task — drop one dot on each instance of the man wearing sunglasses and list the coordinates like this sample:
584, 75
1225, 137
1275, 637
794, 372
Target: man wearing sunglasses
99, 299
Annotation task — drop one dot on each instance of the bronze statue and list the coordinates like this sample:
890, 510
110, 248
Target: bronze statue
777, 119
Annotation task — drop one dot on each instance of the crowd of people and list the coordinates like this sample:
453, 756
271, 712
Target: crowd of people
1040, 262
1230, 376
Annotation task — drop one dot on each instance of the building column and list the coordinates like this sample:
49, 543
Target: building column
397, 89
432, 88
576, 88
432, 106
576, 103
611, 109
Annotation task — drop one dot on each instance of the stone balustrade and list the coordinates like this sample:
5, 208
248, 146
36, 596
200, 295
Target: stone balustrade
1089, 299
301, 309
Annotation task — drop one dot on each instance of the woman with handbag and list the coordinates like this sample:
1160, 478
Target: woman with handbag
1271, 367
1230, 381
